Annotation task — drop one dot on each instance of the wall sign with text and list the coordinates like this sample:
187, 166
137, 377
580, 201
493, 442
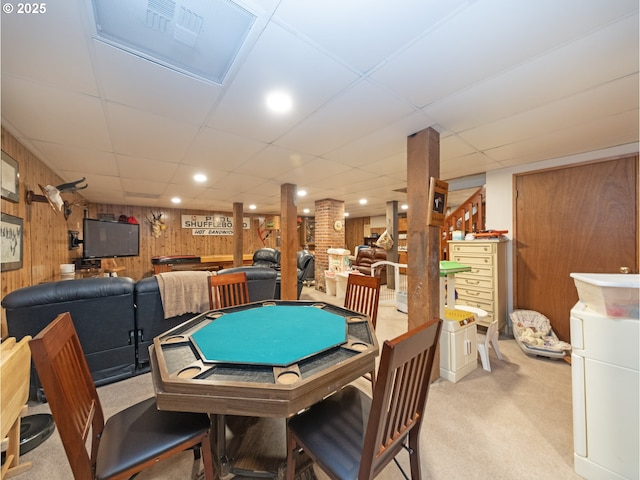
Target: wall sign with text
211, 224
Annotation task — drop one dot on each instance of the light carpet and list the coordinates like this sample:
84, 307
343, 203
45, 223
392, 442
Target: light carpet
514, 422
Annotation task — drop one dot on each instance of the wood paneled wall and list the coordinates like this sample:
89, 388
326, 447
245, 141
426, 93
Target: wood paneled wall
46, 238
354, 232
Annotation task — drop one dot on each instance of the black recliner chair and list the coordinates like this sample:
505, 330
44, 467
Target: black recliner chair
306, 267
267, 257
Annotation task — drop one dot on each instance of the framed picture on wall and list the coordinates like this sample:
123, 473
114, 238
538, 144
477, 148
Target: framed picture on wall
438, 190
11, 242
10, 178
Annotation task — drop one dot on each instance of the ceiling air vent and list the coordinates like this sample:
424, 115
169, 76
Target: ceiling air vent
159, 14
197, 38
152, 196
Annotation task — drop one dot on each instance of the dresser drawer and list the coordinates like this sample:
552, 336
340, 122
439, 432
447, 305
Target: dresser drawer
477, 271
474, 294
487, 306
472, 260
473, 248
477, 281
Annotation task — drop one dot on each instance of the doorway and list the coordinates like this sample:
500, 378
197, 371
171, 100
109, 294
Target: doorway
581, 218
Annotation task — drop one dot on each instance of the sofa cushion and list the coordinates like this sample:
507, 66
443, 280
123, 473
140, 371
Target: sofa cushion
368, 256
261, 281
103, 316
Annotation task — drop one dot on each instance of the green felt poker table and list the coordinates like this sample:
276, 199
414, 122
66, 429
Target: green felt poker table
263, 359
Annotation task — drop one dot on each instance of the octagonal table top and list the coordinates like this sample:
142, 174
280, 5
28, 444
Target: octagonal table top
261, 359
277, 335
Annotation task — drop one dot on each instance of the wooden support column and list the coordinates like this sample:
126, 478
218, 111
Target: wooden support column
238, 232
423, 241
288, 242
392, 228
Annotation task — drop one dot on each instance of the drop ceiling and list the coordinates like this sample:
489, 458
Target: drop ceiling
504, 83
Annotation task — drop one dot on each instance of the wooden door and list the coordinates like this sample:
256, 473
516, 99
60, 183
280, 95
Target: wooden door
580, 218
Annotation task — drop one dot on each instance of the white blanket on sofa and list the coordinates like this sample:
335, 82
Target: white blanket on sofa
184, 292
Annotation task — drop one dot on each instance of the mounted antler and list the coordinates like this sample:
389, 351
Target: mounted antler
71, 186
157, 224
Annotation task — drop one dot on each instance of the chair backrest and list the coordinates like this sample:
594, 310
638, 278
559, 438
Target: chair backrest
71, 393
15, 363
492, 330
306, 263
363, 295
267, 257
228, 290
399, 397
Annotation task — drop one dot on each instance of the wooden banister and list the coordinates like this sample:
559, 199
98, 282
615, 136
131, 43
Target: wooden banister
468, 217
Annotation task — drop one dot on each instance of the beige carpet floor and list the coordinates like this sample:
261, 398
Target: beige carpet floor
514, 422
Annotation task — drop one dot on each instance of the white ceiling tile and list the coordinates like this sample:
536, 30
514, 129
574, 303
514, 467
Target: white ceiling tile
317, 169
84, 160
51, 48
388, 140
310, 76
502, 82
161, 139
351, 37
359, 111
146, 187
272, 162
183, 174
467, 165
55, 116
212, 147
234, 182
104, 185
563, 72
605, 100
138, 168
597, 134
459, 54
170, 94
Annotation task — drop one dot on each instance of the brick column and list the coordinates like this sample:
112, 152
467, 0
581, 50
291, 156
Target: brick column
328, 211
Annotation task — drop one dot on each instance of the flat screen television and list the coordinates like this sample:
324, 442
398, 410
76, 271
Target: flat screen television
109, 239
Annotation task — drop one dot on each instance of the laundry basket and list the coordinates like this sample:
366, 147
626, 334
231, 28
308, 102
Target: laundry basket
533, 333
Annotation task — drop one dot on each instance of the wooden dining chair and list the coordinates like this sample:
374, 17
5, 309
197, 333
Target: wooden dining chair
363, 296
228, 290
129, 441
353, 436
15, 368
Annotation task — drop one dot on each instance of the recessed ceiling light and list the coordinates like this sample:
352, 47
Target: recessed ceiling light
404, 206
302, 193
346, 214
200, 177
252, 207
306, 210
176, 200
363, 201
279, 102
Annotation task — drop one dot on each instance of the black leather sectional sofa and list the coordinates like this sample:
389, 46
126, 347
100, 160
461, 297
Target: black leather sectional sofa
115, 317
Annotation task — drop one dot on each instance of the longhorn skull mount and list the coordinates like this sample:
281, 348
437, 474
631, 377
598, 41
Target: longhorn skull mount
51, 195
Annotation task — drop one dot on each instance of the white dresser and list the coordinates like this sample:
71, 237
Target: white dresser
485, 286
